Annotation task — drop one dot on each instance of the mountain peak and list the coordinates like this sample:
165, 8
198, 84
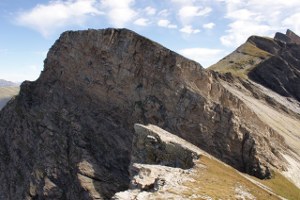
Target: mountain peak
69, 134
288, 37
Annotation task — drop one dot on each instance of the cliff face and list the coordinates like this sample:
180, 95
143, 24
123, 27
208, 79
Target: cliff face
281, 72
68, 135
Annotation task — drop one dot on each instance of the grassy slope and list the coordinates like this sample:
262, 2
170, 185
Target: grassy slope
241, 61
219, 181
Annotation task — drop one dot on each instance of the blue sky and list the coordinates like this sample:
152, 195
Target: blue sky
203, 30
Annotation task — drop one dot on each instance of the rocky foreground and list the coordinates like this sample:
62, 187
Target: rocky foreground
69, 134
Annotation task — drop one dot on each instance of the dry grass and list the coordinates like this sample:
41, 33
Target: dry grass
252, 50
219, 182
283, 187
242, 61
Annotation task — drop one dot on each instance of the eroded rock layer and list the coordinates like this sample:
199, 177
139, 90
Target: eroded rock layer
68, 135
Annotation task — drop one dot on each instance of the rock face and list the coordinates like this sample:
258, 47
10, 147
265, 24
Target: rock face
153, 145
68, 135
160, 162
281, 72
265, 76
271, 62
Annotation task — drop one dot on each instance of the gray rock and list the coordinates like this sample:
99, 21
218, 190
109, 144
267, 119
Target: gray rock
280, 72
68, 135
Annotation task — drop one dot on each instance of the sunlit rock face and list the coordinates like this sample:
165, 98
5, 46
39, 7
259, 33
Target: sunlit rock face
68, 135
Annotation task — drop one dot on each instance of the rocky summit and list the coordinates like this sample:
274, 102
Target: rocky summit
69, 134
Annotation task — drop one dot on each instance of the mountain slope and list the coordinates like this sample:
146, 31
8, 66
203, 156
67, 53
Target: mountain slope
273, 63
164, 166
4, 83
68, 135
269, 86
6, 93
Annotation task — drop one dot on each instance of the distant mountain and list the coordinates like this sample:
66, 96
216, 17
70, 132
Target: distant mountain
4, 83
6, 93
271, 62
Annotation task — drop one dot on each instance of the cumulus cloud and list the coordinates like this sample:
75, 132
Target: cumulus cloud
150, 10
164, 13
293, 21
192, 11
256, 17
183, 2
189, 30
141, 22
210, 25
166, 23
119, 12
204, 56
46, 18
186, 13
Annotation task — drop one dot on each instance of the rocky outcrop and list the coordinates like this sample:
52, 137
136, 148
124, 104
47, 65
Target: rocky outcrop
281, 72
289, 37
264, 74
153, 145
160, 161
271, 62
154, 175
68, 135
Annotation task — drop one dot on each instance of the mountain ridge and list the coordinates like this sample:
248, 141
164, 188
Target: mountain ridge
76, 120
5, 83
271, 62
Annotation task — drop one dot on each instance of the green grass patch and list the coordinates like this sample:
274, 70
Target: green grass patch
242, 61
252, 50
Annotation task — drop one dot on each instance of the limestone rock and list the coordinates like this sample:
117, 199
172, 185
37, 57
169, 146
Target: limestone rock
74, 125
161, 162
153, 145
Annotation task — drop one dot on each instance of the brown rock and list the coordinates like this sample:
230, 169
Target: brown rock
74, 124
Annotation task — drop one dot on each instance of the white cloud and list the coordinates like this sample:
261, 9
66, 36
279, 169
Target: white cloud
240, 30
150, 10
189, 30
241, 14
141, 22
183, 2
204, 56
187, 13
257, 17
166, 23
293, 21
47, 18
119, 12
210, 25
164, 13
